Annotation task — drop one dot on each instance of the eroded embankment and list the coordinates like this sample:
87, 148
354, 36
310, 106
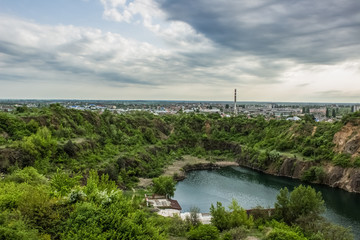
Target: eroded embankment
333, 176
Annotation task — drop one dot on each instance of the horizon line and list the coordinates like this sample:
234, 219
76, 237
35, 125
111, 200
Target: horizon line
168, 100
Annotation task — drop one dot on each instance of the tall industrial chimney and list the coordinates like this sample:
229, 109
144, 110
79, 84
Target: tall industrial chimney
235, 109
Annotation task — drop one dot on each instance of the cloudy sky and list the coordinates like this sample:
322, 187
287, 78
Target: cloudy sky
270, 50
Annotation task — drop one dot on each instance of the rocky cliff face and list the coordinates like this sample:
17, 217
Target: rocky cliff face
347, 179
347, 140
334, 176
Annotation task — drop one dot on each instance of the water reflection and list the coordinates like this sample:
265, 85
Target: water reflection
251, 188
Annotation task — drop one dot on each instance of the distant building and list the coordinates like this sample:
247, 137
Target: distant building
355, 108
293, 118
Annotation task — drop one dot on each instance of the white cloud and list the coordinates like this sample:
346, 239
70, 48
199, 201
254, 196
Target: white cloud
39, 60
175, 34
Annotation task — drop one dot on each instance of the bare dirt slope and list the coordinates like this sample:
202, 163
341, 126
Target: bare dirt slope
347, 140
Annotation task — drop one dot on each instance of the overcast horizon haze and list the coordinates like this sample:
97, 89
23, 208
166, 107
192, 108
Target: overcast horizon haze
197, 50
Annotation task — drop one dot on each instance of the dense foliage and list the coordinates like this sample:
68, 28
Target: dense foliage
141, 144
164, 185
62, 171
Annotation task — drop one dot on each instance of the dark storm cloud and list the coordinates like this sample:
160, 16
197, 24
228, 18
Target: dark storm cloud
322, 31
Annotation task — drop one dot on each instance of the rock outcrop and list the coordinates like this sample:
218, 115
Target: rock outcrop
334, 176
347, 140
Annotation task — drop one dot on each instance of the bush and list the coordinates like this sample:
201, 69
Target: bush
282, 234
27, 175
62, 183
313, 174
357, 162
308, 151
203, 232
281, 231
236, 233
13, 227
342, 160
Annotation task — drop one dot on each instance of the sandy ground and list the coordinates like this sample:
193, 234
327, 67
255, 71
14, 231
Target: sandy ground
177, 166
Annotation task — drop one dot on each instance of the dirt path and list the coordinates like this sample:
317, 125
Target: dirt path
177, 167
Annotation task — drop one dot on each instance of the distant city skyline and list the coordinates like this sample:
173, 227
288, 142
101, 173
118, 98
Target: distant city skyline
270, 51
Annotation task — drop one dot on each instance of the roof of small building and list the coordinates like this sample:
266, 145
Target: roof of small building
175, 204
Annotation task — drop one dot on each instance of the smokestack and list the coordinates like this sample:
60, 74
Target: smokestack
235, 109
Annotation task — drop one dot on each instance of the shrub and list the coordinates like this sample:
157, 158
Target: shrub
281, 231
342, 160
27, 175
13, 227
282, 234
357, 162
62, 183
308, 151
236, 233
313, 174
203, 232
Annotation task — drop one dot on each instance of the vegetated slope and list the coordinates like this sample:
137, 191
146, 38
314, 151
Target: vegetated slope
141, 144
86, 156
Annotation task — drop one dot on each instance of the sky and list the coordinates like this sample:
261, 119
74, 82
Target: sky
269, 50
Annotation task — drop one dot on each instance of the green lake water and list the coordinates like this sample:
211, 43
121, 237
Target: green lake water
251, 188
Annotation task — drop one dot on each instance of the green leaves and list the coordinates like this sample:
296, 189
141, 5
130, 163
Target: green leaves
235, 217
62, 183
203, 232
164, 185
302, 201
27, 175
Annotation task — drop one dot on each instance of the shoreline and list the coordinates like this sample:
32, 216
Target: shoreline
178, 169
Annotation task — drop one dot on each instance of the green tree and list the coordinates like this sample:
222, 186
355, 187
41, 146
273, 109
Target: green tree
327, 112
194, 216
333, 113
40, 146
238, 216
164, 185
219, 216
282, 207
301, 202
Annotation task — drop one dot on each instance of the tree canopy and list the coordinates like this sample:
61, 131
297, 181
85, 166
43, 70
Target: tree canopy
164, 185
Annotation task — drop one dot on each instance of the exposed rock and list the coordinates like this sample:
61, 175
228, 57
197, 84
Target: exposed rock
300, 167
347, 140
287, 168
335, 176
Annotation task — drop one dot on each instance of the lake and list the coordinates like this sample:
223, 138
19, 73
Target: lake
251, 188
